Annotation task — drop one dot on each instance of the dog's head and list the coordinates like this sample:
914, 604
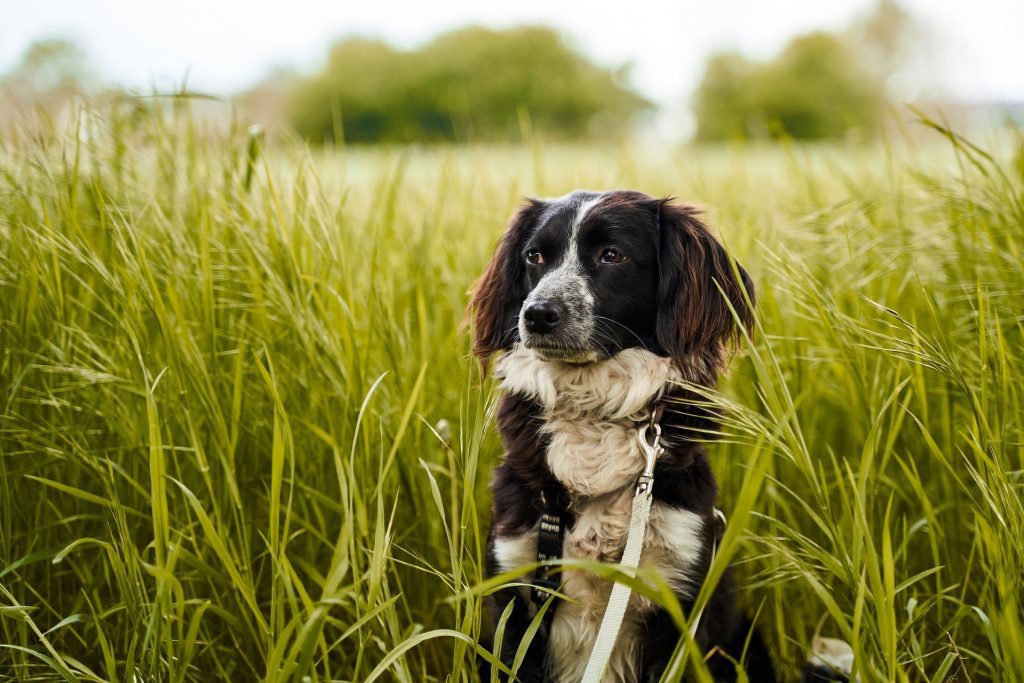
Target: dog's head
581, 277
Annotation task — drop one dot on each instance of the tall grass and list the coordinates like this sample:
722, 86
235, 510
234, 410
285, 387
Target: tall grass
241, 437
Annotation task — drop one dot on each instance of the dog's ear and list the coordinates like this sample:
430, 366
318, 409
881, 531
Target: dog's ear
694, 318
499, 293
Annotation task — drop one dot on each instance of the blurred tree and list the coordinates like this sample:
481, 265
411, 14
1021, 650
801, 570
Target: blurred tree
362, 79
816, 88
51, 66
43, 84
883, 35
726, 105
899, 51
472, 83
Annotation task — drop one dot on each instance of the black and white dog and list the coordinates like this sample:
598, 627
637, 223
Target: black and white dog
599, 304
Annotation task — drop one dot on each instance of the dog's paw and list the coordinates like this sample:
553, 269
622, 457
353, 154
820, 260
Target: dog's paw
830, 659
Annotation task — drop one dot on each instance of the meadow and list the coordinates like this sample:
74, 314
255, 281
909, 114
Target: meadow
242, 436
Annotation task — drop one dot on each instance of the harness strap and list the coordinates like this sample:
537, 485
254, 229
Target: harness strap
549, 547
555, 504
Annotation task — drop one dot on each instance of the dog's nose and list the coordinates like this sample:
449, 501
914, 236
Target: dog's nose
543, 317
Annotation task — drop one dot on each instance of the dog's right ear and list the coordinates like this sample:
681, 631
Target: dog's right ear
499, 293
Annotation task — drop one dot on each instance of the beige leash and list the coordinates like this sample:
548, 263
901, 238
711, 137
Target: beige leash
641, 514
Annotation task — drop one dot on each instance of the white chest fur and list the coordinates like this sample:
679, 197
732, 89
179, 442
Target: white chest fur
590, 413
590, 416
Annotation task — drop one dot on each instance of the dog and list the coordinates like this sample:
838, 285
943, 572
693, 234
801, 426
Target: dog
597, 309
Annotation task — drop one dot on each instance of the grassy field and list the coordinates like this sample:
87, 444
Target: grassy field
241, 436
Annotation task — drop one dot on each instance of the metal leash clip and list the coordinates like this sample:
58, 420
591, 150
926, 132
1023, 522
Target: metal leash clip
651, 451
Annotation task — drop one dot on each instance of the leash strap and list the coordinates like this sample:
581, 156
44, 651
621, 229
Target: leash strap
619, 600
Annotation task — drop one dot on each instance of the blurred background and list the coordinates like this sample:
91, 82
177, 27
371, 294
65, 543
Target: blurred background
390, 71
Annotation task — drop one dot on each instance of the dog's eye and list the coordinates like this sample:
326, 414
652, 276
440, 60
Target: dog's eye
611, 255
534, 257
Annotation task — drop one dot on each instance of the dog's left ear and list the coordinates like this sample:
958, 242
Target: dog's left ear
499, 293
694, 272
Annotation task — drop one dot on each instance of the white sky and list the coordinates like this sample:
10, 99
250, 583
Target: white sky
226, 45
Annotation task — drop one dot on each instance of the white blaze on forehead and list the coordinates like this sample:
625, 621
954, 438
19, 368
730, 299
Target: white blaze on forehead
577, 221
567, 276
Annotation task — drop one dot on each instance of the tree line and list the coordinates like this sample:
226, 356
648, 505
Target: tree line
479, 84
